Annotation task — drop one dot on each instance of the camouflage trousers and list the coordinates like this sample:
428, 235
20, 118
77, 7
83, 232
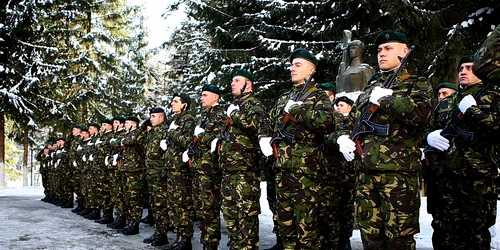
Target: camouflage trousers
90, 190
330, 212
388, 209
158, 200
464, 210
67, 187
299, 198
180, 199
241, 208
103, 190
116, 188
208, 205
133, 185
346, 201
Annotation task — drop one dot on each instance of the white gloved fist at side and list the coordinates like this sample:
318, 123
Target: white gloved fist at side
163, 144
213, 145
265, 146
198, 130
346, 147
185, 157
437, 141
290, 104
378, 93
467, 102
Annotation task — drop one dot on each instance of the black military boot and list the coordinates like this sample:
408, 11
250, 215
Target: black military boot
107, 218
278, 245
149, 219
150, 238
119, 223
95, 215
210, 246
79, 207
160, 240
84, 212
68, 203
183, 243
131, 229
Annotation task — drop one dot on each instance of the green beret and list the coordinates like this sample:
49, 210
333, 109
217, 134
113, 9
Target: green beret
327, 86
447, 85
465, 59
211, 88
50, 141
156, 110
184, 97
304, 54
121, 119
343, 99
108, 121
243, 72
389, 36
487, 58
85, 129
132, 118
61, 139
77, 126
94, 124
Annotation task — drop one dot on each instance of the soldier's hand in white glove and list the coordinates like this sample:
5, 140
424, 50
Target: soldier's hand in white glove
346, 147
467, 102
265, 146
115, 159
172, 126
213, 145
185, 157
106, 162
91, 157
231, 109
198, 130
290, 104
163, 144
84, 158
437, 141
378, 93
74, 164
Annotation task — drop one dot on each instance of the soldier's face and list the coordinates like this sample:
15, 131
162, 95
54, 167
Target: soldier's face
300, 70
117, 125
93, 130
156, 118
60, 143
208, 99
238, 83
129, 125
343, 107
76, 131
465, 75
177, 105
106, 127
445, 92
84, 135
388, 54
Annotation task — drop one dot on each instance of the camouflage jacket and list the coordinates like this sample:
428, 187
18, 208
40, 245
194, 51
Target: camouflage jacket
180, 137
312, 120
74, 143
87, 151
487, 59
101, 151
240, 141
407, 112
133, 154
483, 120
115, 149
61, 160
154, 154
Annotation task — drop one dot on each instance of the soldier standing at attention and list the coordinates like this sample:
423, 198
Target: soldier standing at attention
155, 169
239, 158
92, 211
298, 157
81, 172
103, 172
207, 173
388, 184
74, 141
113, 161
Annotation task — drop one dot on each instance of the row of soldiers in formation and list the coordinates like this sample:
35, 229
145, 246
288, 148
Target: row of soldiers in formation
316, 160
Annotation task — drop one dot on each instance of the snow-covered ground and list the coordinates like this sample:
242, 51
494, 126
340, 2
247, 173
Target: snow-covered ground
28, 223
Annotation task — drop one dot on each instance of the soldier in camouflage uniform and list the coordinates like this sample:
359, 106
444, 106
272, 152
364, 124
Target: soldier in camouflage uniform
388, 183
62, 166
113, 162
207, 173
465, 199
43, 158
155, 176
240, 162
74, 140
179, 175
133, 172
92, 211
309, 114
102, 172
80, 171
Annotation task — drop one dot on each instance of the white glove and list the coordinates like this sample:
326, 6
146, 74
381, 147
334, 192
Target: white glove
346, 147
57, 163
74, 163
172, 126
163, 144
84, 158
231, 109
115, 158
198, 130
378, 93
91, 158
265, 146
79, 148
436, 140
466, 103
290, 104
98, 141
185, 157
112, 140
106, 162
213, 145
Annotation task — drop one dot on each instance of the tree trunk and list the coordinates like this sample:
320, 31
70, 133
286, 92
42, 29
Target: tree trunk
2, 150
25, 158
